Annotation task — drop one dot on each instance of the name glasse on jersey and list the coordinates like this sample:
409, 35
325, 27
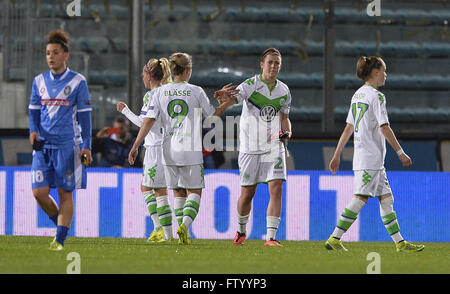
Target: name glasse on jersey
177, 93
55, 102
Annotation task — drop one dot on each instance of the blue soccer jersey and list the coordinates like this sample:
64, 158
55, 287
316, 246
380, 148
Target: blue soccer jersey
60, 112
60, 109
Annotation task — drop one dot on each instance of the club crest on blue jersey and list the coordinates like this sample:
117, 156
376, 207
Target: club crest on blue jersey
67, 90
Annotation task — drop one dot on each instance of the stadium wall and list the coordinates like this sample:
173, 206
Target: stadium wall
430, 155
112, 206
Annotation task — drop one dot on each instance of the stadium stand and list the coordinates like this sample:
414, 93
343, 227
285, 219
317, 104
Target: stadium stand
227, 38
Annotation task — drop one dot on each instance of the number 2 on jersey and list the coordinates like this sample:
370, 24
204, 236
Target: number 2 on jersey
178, 109
363, 108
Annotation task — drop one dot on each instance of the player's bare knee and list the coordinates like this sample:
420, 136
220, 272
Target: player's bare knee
276, 187
247, 193
40, 193
362, 198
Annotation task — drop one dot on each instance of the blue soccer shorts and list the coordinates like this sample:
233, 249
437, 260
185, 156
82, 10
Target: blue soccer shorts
58, 168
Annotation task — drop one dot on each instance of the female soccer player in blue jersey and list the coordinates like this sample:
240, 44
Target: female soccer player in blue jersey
60, 132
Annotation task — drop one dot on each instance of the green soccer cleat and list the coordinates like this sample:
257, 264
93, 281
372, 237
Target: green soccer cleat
404, 246
156, 236
55, 246
334, 244
182, 235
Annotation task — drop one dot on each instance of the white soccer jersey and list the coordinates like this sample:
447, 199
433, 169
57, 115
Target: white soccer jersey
181, 107
367, 113
155, 136
260, 119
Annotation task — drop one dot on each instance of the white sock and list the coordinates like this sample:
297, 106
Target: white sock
389, 218
190, 210
348, 217
165, 215
272, 227
242, 223
150, 201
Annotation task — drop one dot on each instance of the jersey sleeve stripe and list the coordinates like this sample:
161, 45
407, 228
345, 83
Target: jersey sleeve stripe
84, 109
34, 106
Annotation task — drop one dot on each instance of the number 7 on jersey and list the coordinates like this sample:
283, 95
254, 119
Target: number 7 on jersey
363, 108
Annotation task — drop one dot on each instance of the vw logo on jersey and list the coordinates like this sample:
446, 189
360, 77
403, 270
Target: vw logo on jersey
267, 113
67, 90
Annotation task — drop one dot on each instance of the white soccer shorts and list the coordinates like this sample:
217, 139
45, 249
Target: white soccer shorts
186, 177
262, 168
371, 183
153, 175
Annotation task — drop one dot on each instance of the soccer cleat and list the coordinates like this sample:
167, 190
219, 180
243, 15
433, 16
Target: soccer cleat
239, 239
272, 243
182, 235
334, 244
404, 246
156, 236
55, 246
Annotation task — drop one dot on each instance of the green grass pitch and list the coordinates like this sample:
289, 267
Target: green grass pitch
21, 254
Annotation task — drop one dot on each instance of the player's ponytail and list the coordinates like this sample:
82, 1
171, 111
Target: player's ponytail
165, 67
159, 70
365, 65
179, 62
59, 37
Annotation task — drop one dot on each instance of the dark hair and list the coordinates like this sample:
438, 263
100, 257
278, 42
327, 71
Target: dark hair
273, 51
365, 65
59, 37
122, 121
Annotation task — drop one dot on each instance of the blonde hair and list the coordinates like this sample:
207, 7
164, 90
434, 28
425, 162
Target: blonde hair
159, 69
179, 62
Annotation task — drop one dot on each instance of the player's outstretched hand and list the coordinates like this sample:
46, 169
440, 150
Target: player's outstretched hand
132, 155
334, 164
120, 106
87, 158
405, 159
227, 91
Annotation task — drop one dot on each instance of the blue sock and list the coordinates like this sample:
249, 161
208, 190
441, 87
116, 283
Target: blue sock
54, 219
61, 234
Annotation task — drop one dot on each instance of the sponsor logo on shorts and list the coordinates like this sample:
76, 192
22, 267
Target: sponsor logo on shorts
69, 177
366, 178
